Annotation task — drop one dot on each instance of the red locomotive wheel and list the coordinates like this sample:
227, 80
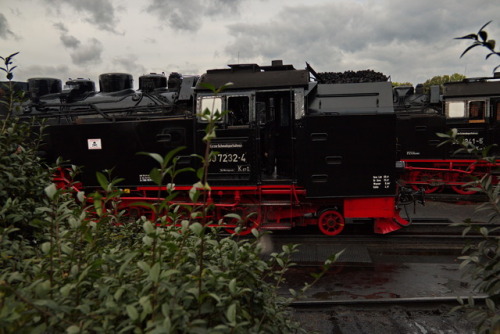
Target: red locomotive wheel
331, 222
249, 220
462, 178
426, 180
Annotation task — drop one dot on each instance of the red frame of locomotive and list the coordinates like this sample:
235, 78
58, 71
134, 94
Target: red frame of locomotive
281, 203
434, 174
255, 203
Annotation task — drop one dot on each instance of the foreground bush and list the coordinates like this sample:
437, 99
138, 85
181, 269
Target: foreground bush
480, 261
92, 277
90, 268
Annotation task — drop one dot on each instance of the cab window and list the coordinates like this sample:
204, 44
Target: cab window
455, 109
212, 103
239, 110
476, 111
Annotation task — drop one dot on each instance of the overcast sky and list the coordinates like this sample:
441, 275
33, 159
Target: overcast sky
410, 41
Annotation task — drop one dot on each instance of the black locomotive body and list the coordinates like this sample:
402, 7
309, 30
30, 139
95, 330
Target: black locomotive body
292, 151
295, 151
472, 108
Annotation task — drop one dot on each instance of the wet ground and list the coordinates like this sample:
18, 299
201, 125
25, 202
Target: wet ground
455, 213
388, 286
392, 320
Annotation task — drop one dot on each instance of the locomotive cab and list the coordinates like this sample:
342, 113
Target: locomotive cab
255, 137
301, 151
473, 108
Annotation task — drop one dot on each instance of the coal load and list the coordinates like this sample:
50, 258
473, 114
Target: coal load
351, 77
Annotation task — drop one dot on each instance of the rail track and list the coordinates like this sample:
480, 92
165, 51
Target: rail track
409, 302
405, 282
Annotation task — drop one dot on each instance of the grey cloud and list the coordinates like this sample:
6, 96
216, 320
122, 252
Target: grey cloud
67, 40
61, 27
98, 12
187, 15
70, 41
221, 7
88, 53
380, 35
83, 53
5, 32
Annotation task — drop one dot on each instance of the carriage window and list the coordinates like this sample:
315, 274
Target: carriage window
476, 110
239, 107
455, 109
212, 103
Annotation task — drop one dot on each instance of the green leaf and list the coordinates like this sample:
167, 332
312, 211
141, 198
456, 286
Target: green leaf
154, 273
232, 286
73, 329
197, 228
491, 304
129, 257
200, 173
224, 86
65, 290
98, 206
145, 302
231, 313
148, 227
208, 86
483, 35
148, 241
103, 181
156, 176
484, 26
144, 266
155, 156
80, 196
171, 154
490, 45
46, 247
119, 292
469, 48
51, 190
469, 36
169, 272
132, 312
194, 192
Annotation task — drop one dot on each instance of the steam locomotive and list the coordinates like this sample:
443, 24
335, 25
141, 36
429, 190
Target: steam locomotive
472, 107
296, 148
